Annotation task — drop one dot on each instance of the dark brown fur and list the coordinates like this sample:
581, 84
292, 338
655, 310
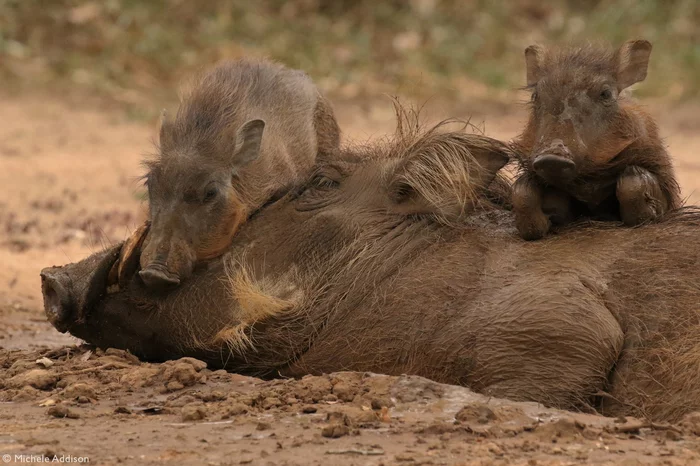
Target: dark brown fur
618, 166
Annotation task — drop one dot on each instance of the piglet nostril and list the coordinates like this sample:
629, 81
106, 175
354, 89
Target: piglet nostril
157, 279
554, 168
558, 147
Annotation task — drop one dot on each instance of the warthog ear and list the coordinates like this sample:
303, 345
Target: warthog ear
533, 64
491, 155
446, 175
632, 62
248, 141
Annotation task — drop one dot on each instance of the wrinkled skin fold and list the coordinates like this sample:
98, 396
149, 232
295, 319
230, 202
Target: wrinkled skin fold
363, 269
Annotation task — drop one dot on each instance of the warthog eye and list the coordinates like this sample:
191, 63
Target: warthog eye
325, 178
401, 192
534, 96
321, 181
210, 195
318, 191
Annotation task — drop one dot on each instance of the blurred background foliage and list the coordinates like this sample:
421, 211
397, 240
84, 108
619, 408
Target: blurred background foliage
132, 50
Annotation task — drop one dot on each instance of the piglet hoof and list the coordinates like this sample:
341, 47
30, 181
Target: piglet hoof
640, 196
533, 228
527, 198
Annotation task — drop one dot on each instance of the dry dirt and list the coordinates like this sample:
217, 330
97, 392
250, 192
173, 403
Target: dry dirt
68, 179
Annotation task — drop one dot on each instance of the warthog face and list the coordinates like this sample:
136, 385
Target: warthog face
214, 166
195, 206
577, 121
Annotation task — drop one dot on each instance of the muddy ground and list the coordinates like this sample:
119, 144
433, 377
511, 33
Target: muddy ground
68, 185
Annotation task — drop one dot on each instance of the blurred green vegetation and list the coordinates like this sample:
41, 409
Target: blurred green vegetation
137, 49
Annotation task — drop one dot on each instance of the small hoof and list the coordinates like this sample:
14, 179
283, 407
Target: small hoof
640, 197
533, 230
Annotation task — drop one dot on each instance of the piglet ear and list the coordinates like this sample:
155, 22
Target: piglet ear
632, 62
248, 142
533, 63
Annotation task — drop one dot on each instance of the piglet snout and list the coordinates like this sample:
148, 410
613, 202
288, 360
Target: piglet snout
158, 277
554, 163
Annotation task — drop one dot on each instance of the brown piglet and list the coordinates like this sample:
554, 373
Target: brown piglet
587, 148
244, 131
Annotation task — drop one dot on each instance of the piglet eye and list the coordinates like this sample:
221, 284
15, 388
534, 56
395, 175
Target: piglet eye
210, 195
606, 94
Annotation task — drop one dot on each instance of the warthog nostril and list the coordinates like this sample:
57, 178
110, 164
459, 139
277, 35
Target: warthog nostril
58, 305
554, 168
158, 278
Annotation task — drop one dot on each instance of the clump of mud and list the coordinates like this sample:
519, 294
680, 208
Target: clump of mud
175, 407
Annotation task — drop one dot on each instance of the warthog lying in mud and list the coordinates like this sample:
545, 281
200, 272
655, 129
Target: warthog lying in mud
392, 260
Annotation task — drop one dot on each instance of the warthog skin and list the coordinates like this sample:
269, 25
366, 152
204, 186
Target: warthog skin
372, 265
588, 149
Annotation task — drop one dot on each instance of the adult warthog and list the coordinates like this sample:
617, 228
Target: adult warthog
394, 260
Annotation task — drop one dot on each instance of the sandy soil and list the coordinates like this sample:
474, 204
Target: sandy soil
111, 408
68, 175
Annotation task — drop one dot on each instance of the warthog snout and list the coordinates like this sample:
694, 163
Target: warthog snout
58, 303
166, 259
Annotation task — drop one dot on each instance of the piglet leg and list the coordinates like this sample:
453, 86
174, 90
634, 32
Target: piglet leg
532, 223
558, 206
